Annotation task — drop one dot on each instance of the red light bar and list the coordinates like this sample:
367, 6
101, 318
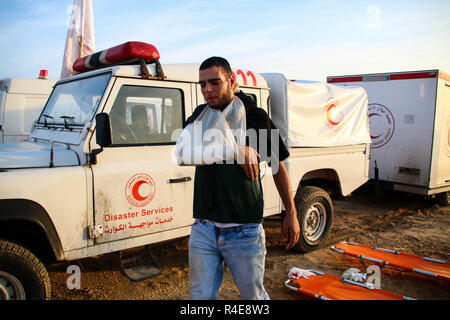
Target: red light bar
127, 53
43, 74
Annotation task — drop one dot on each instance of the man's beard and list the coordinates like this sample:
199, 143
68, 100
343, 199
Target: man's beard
222, 105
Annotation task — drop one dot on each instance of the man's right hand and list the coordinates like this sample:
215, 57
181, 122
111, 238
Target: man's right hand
248, 160
291, 228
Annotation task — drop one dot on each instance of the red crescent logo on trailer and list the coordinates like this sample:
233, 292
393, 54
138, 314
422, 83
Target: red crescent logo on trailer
382, 124
140, 190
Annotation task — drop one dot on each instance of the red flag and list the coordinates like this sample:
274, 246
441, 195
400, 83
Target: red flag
80, 36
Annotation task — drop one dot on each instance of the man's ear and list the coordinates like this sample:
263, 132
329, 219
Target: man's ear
233, 82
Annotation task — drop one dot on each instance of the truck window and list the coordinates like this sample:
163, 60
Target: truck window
76, 101
146, 115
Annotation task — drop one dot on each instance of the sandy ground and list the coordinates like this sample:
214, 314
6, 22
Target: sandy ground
391, 220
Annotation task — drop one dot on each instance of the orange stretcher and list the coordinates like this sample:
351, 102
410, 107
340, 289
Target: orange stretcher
328, 287
428, 266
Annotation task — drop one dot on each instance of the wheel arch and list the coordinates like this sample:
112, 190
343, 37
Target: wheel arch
27, 223
326, 179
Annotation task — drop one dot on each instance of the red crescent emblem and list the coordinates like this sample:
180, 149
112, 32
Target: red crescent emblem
332, 114
133, 192
330, 107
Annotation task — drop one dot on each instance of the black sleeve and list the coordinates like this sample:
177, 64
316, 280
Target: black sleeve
194, 115
258, 119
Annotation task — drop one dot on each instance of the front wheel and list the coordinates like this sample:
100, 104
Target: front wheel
315, 216
22, 275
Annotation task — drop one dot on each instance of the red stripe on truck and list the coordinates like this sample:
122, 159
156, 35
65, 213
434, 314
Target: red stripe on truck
412, 75
346, 79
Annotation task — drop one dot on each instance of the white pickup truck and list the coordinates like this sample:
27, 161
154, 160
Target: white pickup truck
99, 173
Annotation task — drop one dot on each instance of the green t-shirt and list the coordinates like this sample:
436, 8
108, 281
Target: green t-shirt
223, 193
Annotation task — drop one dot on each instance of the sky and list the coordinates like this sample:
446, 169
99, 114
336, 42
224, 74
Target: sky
303, 39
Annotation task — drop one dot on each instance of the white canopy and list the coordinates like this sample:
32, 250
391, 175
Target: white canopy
317, 114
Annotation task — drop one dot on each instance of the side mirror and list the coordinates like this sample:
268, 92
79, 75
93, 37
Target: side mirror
102, 134
103, 130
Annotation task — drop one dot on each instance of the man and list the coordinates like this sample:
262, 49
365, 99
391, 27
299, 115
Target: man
228, 203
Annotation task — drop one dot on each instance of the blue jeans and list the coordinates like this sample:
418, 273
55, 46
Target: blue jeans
242, 248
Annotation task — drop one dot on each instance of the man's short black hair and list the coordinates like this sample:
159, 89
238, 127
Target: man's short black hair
216, 62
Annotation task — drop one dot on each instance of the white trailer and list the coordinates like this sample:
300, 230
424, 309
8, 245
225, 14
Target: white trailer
409, 114
21, 102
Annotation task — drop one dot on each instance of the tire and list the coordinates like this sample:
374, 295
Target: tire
315, 216
22, 275
443, 198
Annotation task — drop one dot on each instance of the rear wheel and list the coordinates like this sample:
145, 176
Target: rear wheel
443, 198
22, 275
315, 216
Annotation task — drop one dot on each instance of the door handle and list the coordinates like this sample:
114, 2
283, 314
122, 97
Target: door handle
178, 180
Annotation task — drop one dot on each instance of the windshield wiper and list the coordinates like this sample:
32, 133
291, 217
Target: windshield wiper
65, 120
45, 120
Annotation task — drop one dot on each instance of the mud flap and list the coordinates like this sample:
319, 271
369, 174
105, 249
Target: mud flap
140, 265
328, 287
427, 266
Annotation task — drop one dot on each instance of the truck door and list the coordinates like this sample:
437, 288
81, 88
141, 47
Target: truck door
138, 187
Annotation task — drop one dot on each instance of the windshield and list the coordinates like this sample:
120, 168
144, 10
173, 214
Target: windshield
75, 102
